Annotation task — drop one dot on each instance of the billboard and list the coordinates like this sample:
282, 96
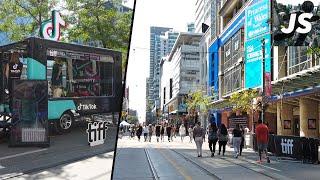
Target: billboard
257, 19
296, 23
257, 29
253, 60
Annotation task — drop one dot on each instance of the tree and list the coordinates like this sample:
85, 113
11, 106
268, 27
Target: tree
242, 101
198, 101
132, 119
95, 21
23, 18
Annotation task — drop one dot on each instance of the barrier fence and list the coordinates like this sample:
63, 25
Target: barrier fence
293, 147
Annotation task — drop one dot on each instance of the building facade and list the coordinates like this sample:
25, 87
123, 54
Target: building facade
180, 75
235, 64
161, 42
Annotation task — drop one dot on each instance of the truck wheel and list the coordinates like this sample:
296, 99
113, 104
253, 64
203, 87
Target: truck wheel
65, 123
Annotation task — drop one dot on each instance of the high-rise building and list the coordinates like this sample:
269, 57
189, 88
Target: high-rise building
180, 72
162, 40
190, 27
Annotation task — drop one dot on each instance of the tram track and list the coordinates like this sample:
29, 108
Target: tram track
151, 166
245, 164
196, 164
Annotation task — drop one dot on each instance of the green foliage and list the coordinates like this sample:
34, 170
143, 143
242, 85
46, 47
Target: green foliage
22, 18
243, 100
198, 101
314, 52
132, 119
92, 21
87, 20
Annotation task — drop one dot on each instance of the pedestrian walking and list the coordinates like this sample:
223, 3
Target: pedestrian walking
169, 129
242, 139
182, 132
236, 140
173, 132
198, 135
150, 132
190, 131
222, 138
158, 131
139, 132
212, 138
163, 127
262, 134
145, 132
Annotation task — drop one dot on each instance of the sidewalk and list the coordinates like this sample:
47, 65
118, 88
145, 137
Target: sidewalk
227, 166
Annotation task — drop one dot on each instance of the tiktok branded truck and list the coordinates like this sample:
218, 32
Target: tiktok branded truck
82, 83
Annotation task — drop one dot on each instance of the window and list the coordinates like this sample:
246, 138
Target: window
298, 60
78, 77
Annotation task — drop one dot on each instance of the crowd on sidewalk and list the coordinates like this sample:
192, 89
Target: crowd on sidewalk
198, 134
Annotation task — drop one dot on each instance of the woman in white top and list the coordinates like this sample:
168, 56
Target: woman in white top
145, 132
182, 132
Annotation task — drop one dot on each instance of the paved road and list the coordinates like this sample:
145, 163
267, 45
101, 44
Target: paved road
95, 168
176, 160
64, 149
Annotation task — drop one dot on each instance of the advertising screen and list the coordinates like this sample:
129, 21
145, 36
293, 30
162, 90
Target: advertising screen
296, 23
257, 30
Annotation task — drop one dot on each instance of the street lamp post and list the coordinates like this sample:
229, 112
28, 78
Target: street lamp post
263, 80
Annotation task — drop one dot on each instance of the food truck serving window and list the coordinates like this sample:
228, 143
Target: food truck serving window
73, 74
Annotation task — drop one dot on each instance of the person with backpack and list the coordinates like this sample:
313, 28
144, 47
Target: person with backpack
222, 138
212, 138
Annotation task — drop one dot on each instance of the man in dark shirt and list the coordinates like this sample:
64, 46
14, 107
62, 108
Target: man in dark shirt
169, 132
158, 128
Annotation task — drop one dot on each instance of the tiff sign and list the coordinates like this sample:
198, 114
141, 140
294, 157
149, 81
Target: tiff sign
97, 133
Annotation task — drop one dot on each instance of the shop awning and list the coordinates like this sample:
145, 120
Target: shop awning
302, 82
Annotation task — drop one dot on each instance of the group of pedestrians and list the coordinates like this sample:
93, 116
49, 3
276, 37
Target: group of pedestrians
215, 135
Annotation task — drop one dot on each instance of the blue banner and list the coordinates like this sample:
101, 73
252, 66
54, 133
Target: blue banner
257, 19
253, 60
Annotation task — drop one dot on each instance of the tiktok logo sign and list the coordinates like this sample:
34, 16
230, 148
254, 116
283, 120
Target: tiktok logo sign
97, 133
287, 146
51, 28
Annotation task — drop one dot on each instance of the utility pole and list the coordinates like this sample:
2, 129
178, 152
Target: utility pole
263, 79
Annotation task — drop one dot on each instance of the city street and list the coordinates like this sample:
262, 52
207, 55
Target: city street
61, 160
176, 160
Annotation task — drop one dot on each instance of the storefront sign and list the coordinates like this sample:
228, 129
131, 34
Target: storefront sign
97, 133
253, 60
257, 19
51, 28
